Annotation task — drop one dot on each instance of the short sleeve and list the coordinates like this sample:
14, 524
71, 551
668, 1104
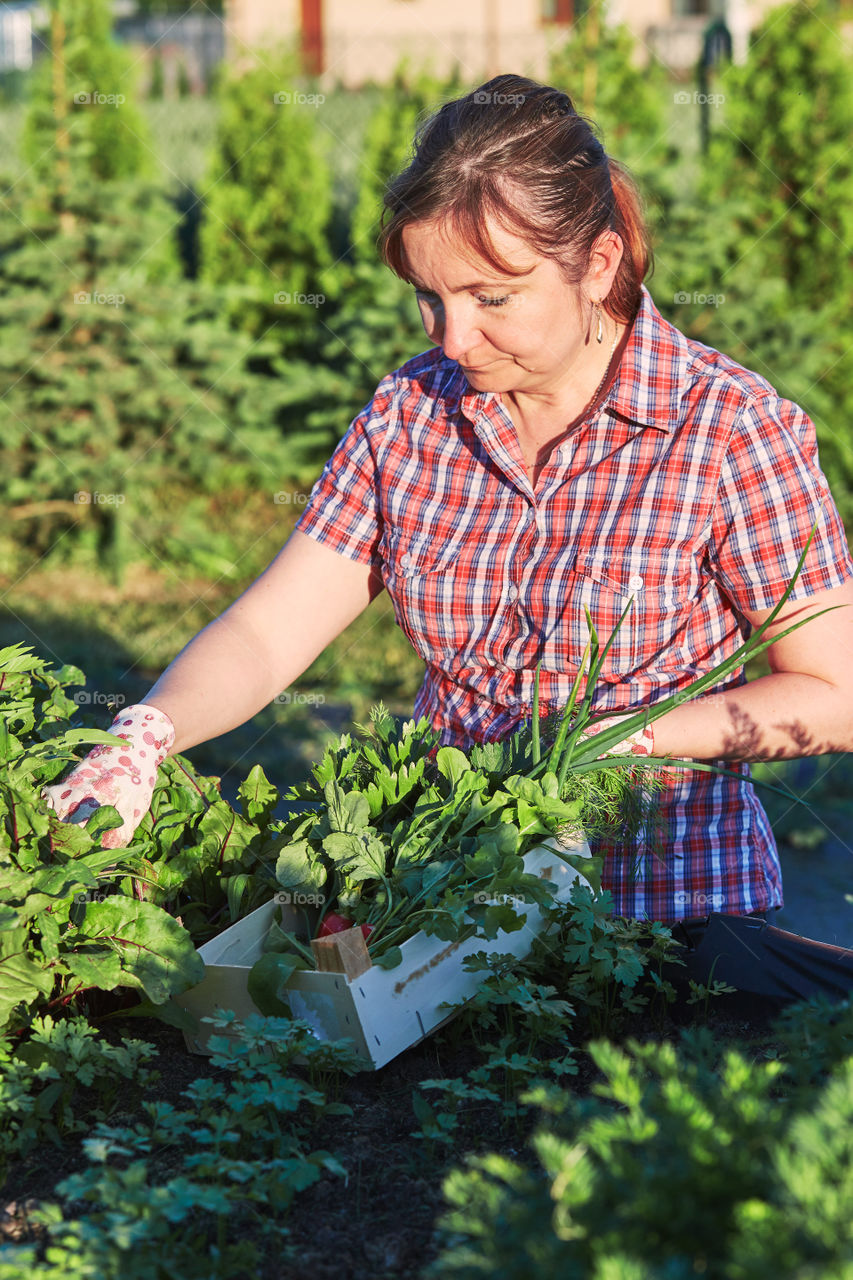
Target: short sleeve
771, 493
343, 507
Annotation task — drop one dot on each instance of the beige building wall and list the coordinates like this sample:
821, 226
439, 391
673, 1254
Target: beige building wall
479, 37
365, 40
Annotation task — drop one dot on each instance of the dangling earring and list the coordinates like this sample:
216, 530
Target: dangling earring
599, 333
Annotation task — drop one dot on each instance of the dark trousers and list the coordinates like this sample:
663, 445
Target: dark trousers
753, 956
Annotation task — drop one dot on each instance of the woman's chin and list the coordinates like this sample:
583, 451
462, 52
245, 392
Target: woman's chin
496, 378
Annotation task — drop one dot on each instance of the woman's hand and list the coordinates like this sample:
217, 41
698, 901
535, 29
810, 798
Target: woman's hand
639, 743
123, 776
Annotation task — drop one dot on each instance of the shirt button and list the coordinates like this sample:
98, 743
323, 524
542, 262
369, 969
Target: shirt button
405, 561
635, 582
512, 593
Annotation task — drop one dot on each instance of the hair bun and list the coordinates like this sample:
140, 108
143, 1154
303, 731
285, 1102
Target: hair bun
558, 104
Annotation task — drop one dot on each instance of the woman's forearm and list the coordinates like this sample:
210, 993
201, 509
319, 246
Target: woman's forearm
218, 681
263, 642
775, 717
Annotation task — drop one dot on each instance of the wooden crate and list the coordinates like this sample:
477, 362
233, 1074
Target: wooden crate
382, 1011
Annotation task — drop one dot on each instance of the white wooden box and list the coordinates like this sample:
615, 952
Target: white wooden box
383, 1011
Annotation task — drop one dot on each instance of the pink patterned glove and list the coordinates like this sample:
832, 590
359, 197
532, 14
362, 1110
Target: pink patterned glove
120, 776
639, 743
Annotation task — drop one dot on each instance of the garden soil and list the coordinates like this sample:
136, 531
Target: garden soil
379, 1222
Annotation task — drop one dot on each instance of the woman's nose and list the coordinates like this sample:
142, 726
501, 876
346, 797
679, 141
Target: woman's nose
457, 331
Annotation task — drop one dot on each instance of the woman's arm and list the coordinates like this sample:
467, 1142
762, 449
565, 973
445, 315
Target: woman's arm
263, 641
803, 708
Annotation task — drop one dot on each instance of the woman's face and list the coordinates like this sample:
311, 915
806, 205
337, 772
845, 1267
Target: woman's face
527, 333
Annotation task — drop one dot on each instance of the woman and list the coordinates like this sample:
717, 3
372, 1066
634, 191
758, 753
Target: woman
560, 446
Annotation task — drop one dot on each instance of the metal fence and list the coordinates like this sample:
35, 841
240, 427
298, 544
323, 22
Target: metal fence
195, 39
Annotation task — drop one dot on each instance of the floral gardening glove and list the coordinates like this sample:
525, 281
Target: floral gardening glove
120, 776
639, 743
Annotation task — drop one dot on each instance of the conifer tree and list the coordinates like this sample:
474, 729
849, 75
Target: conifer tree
756, 256
267, 204
408, 100
82, 107
782, 149
120, 383
600, 69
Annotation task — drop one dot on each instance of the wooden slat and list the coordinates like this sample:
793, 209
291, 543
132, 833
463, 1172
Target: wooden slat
345, 952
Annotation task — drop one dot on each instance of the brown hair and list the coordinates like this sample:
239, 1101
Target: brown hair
514, 138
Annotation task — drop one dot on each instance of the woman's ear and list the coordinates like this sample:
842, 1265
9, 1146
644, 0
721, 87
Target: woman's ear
603, 264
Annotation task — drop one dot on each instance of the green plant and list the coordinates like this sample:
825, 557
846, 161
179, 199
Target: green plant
181, 1188
813, 1038
748, 258
82, 112
125, 388
680, 1165
61, 1079
439, 1126
607, 965
65, 929
77, 917
524, 1034
788, 104
626, 92
701, 993
404, 842
264, 238
515, 1000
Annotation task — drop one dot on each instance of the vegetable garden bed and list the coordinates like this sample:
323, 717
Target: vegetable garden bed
518, 1139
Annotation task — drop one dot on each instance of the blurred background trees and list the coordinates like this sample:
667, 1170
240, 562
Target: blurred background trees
766, 226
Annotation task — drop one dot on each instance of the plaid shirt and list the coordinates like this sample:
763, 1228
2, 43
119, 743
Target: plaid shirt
691, 491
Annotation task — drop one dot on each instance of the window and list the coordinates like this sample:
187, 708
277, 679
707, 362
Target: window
562, 11
691, 8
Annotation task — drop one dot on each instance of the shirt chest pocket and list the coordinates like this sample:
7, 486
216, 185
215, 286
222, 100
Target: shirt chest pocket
660, 595
437, 600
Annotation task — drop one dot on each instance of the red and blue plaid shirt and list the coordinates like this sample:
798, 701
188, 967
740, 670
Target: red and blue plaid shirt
691, 490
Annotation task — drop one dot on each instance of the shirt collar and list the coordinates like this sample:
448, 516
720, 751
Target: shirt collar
648, 385
650, 379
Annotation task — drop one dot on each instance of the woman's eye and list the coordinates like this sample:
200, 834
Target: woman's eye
433, 300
